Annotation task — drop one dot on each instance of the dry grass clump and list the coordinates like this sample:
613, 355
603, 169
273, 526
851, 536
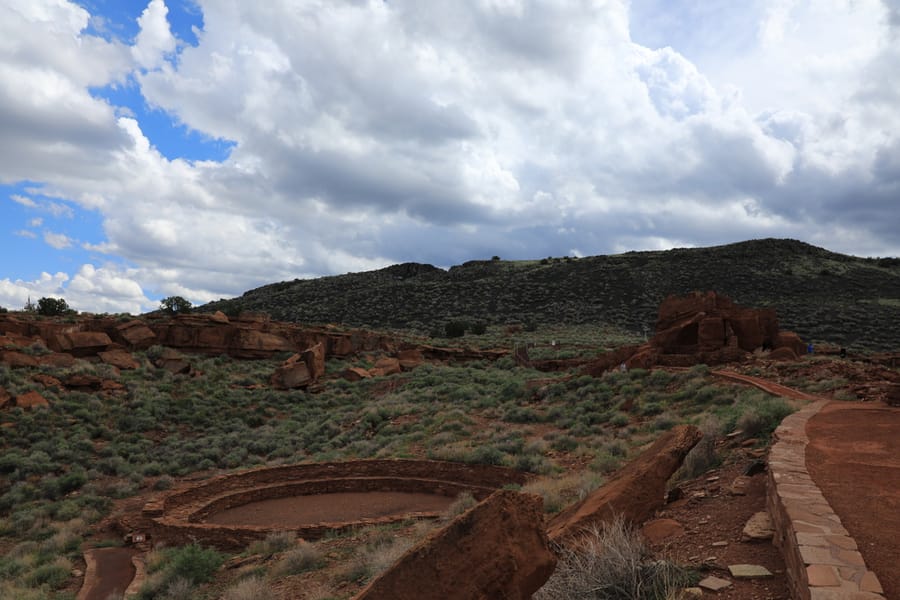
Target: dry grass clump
304, 557
612, 564
252, 588
559, 493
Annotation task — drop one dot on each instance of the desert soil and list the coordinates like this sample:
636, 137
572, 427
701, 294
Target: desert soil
713, 520
854, 458
296, 511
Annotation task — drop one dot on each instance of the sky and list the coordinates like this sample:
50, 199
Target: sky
202, 148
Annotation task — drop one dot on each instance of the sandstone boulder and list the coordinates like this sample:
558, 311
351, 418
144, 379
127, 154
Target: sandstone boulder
18, 359
57, 359
30, 400
135, 335
314, 357
635, 492
355, 374
219, 317
291, 376
121, 359
783, 354
385, 366
83, 343
497, 549
410, 359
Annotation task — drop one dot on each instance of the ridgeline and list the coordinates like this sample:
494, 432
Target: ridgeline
822, 295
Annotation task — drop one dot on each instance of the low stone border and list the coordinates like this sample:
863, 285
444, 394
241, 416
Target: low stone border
823, 562
178, 516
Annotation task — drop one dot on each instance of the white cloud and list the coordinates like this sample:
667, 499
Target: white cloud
373, 132
23, 200
36, 222
26, 234
155, 39
59, 241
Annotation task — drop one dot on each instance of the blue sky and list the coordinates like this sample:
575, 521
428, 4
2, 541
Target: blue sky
202, 148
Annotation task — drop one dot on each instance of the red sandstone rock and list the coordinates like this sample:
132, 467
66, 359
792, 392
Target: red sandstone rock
314, 357
57, 359
498, 549
121, 359
46, 380
290, 376
83, 343
355, 374
219, 317
18, 359
711, 334
386, 366
5, 398
784, 353
135, 335
892, 394
410, 359
635, 492
30, 400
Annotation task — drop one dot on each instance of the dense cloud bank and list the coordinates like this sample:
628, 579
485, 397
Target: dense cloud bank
372, 132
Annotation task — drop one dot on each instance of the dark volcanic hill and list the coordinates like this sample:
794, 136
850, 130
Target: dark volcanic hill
822, 295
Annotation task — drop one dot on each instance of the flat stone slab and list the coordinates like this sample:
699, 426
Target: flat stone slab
749, 571
714, 584
758, 528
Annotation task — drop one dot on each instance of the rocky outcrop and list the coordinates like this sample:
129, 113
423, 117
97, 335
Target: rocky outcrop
121, 359
634, 493
301, 370
18, 359
81, 343
135, 335
497, 549
30, 400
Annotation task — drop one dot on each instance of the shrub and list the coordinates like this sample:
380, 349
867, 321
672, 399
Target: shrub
52, 307
454, 329
253, 588
463, 502
478, 328
275, 542
55, 575
193, 563
175, 305
612, 564
305, 557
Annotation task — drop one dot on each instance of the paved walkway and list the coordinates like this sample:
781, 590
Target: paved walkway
854, 457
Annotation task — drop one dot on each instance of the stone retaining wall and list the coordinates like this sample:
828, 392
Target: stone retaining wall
176, 516
822, 560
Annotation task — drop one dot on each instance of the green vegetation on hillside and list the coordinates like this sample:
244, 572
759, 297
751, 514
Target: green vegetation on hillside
822, 295
63, 468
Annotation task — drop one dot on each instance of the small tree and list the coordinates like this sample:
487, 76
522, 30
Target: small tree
52, 307
175, 305
455, 329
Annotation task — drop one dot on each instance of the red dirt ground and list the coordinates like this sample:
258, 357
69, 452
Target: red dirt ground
854, 458
296, 511
711, 515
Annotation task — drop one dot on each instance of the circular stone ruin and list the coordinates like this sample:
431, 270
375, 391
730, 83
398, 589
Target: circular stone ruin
231, 511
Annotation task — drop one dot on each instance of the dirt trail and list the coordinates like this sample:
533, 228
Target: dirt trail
771, 387
109, 571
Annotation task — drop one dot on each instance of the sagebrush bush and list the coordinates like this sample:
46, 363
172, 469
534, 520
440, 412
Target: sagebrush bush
612, 563
304, 557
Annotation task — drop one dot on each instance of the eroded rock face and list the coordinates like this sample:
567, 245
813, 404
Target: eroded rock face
82, 343
121, 359
135, 335
497, 549
635, 492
